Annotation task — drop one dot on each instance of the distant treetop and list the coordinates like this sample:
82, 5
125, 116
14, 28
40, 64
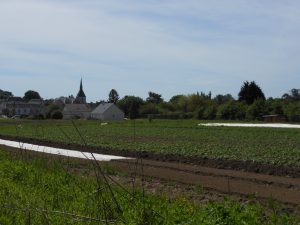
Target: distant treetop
31, 95
250, 92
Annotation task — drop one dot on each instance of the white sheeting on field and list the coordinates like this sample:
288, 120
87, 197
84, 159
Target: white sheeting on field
274, 125
59, 151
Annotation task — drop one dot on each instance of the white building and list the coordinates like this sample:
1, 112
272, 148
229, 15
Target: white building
107, 111
17, 106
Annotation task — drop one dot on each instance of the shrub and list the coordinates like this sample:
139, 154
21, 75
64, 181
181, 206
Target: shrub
57, 115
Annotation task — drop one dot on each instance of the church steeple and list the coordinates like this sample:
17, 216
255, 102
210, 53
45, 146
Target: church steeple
80, 98
81, 89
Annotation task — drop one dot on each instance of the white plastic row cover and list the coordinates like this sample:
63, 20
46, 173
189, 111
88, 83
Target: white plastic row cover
59, 151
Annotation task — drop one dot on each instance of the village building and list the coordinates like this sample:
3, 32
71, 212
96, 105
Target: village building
73, 111
80, 98
16, 106
107, 111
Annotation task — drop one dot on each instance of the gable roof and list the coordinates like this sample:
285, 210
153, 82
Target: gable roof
76, 108
35, 101
100, 109
15, 99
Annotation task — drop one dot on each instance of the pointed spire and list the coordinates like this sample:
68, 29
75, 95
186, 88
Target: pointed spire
81, 92
81, 84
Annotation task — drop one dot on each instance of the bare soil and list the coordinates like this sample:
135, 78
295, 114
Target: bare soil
283, 189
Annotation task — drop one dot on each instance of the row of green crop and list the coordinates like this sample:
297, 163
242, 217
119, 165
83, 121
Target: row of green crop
39, 191
273, 145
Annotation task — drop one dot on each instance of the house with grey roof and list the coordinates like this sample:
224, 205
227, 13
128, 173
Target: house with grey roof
107, 111
72, 111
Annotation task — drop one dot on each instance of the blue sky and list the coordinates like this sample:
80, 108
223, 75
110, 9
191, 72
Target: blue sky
169, 47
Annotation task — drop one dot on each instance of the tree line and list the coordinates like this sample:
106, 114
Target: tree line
251, 104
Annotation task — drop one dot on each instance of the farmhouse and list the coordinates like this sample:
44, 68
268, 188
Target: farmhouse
107, 111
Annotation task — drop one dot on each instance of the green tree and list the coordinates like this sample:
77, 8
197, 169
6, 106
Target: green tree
52, 108
149, 108
31, 95
174, 102
274, 106
5, 94
256, 110
113, 96
292, 112
227, 111
5, 112
57, 115
154, 98
250, 92
182, 104
221, 99
210, 113
293, 95
130, 105
232, 111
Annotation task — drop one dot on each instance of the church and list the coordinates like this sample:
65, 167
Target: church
80, 98
79, 108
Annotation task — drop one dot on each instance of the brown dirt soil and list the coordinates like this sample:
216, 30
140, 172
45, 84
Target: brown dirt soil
196, 183
283, 189
239, 165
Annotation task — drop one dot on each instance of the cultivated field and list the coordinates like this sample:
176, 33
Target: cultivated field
44, 189
278, 146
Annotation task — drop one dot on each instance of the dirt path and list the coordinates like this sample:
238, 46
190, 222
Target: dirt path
283, 189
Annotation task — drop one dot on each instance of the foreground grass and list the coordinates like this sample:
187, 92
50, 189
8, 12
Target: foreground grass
272, 145
40, 191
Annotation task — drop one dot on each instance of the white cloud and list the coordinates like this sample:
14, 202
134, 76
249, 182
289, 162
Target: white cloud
143, 45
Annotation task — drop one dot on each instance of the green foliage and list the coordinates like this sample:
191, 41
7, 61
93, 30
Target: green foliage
57, 115
200, 113
210, 113
232, 111
256, 110
274, 106
221, 99
31, 95
174, 100
51, 108
250, 92
149, 108
5, 94
39, 191
182, 137
292, 111
130, 105
293, 95
154, 98
182, 104
113, 96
